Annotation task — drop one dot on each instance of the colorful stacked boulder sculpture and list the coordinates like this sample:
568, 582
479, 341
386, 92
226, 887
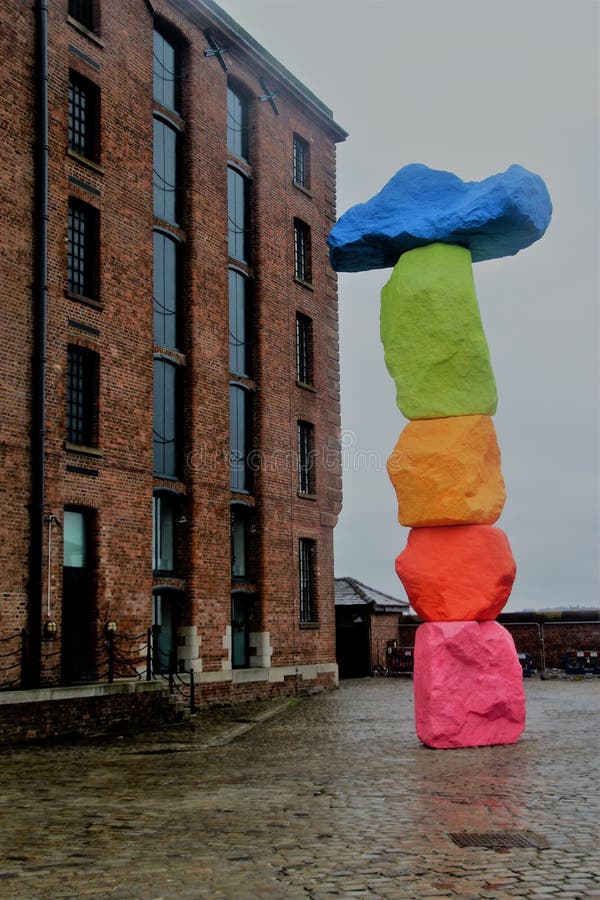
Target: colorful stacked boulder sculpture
457, 568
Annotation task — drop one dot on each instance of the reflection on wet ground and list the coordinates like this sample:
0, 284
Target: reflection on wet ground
333, 795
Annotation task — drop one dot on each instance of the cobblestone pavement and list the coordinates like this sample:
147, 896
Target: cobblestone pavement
329, 795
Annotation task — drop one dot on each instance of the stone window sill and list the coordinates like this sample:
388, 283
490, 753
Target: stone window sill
87, 301
85, 161
302, 188
310, 626
305, 284
85, 31
306, 387
83, 450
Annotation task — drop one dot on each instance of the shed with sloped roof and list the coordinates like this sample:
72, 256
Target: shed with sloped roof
367, 622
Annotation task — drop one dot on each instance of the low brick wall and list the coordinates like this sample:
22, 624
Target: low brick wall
97, 708
561, 632
91, 709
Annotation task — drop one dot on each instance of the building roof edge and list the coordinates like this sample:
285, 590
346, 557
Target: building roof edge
278, 68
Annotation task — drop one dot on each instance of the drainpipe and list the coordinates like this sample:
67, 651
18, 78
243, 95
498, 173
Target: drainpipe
31, 677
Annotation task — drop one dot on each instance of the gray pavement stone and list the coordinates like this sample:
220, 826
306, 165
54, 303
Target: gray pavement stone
330, 796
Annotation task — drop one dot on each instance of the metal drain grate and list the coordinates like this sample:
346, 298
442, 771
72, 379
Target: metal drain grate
498, 840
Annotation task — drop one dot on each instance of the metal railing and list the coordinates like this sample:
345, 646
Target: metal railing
128, 656
164, 665
116, 656
12, 649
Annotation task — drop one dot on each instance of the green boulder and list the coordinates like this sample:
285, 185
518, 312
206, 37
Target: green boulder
435, 347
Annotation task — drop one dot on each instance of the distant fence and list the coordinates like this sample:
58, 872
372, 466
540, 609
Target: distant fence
546, 639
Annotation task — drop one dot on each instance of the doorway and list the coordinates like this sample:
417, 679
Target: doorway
165, 620
78, 643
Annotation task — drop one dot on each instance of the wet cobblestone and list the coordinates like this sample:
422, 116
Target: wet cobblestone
329, 796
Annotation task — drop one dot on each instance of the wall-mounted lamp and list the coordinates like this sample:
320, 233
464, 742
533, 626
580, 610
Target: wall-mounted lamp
110, 627
50, 628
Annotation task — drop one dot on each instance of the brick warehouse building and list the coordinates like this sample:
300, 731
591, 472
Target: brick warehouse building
170, 381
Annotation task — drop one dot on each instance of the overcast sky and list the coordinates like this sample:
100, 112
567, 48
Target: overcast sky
471, 87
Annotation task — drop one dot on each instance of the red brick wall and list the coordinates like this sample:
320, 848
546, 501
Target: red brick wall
84, 715
121, 491
119, 329
559, 637
16, 321
384, 628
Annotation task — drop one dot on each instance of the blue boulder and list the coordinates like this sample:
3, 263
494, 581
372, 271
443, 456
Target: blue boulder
492, 218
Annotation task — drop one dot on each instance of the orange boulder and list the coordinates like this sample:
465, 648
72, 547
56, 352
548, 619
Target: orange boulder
447, 472
457, 573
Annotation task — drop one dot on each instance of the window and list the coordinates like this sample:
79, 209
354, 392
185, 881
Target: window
167, 291
308, 611
166, 607
82, 249
240, 630
164, 508
237, 124
166, 172
79, 613
302, 264
74, 540
240, 437
306, 461
238, 208
83, 11
82, 396
84, 102
238, 542
239, 325
304, 349
167, 416
166, 73
301, 162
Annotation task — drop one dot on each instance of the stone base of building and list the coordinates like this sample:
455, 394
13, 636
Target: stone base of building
243, 685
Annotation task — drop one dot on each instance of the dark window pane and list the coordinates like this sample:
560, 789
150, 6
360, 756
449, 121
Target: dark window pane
83, 11
82, 394
166, 418
166, 172
238, 542
302, 260
166, 291
237, 124
167, 72
82, 249
307, 580
304, 349
306, 461
165, 608
237, 198
240, 627
83, 115
301, 162
239, 330
163, 533
240, 438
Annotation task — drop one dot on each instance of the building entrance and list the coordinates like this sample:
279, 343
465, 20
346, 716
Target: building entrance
78, 630
165, 618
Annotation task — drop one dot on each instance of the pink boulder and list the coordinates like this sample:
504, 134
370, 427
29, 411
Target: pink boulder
454, 573
468, 685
